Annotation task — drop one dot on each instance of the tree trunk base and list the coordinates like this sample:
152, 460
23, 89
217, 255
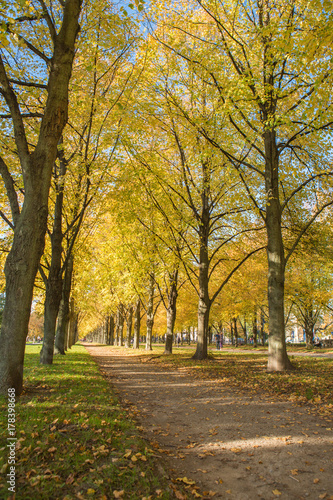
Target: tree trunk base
168, 344
46, 357
279, 365
58, 351
199, 356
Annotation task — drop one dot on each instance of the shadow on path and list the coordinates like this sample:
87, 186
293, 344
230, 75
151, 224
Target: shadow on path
231, 443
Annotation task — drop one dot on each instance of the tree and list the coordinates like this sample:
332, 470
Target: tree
270, 65
309, 283
87, 147
55, 45
189, 182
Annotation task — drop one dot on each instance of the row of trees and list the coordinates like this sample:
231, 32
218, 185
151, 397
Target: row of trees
229, 146
197, 140
242, 307
51, 174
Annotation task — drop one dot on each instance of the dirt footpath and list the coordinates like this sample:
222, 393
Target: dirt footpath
231, 443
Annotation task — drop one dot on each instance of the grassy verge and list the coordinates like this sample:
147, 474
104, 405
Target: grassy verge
310, 381
74, 440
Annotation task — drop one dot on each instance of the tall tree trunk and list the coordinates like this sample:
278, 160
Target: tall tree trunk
121, 325
66, 332
309, 324
137, 322
54, 279
110, 338
20, 271
277, 353
171, 311
116, 338
72, 325
203, 321
129, 322
234, 320
254, 326
63, 317
106, 329
204, 301
150, 312
31, 224
262, 326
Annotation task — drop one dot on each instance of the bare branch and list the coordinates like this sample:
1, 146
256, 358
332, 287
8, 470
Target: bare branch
10, 189
3, 216
28, 84
24, 115
12, 103
49, 21
306, 227
233, 272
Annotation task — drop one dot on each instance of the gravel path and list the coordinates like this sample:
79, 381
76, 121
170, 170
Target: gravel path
233, 444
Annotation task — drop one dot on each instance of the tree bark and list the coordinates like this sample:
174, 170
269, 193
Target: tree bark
232, 332
277, 353
203, 321
116, 337
63, 316
262, 327
150, 312
110, 337
72, 325
204, 300
137, 322
254, 327
29, 232
309, 323
129, 322
171, 311
234, 320
54, 279
121, 325
69, 326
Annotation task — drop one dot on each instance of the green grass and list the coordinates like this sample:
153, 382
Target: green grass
74, 439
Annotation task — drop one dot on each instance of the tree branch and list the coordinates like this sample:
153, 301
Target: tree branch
10, 189
3, 216
306, 227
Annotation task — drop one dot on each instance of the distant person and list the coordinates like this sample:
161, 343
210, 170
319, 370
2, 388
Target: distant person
218, 340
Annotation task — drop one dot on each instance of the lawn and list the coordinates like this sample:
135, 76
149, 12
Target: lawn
73, 438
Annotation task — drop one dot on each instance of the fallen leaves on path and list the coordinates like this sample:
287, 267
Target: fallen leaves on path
186, 481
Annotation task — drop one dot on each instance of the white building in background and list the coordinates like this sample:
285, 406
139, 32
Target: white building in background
294, 332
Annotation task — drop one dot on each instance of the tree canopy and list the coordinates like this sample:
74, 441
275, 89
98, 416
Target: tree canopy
173, 155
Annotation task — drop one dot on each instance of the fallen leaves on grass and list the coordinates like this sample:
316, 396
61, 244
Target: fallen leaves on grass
70, 479
118, 494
